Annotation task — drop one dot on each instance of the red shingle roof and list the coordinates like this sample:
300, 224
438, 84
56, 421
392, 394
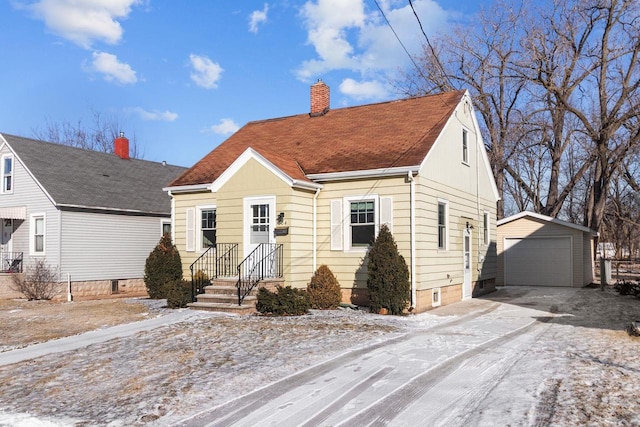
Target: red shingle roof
375, 136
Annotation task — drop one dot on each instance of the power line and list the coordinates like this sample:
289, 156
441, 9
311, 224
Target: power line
400, 41
433, 52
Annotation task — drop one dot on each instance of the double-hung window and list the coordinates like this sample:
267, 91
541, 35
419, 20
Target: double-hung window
37, 234
7, 174
207, 228
465, 147
485, 228
363, 225
442, 225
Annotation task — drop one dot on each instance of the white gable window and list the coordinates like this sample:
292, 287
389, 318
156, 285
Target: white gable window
7, 174
465, 147
443, 224
37, 234
356, 220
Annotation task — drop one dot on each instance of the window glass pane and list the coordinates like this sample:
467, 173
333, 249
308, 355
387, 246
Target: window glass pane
7, 183
8, 165
39, 243
208, 238
362, 235
39, 223
166, 228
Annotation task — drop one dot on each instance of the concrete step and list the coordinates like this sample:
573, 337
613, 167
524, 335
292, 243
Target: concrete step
225, 298
221, 290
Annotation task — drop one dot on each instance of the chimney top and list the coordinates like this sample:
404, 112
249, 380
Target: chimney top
121, 146
319, 99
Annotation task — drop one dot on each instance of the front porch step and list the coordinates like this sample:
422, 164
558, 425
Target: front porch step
226, 298
222, 296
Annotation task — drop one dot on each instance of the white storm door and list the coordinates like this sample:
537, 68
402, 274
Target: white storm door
466, 250
5, 239
259, 219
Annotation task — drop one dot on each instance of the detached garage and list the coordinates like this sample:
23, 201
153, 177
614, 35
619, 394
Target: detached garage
537, 250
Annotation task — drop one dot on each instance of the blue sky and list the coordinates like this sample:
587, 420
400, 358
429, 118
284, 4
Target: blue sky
182, 76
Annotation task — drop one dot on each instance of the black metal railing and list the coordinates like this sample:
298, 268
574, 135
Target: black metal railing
11, 262
264, 262
220, 260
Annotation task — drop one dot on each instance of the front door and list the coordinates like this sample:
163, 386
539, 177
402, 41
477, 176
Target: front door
466, 285
259, 220
5, 239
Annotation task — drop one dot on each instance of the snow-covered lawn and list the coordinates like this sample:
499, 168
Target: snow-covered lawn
580, 367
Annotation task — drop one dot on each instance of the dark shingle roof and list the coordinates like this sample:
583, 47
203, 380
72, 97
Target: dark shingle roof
89, 179
375, 136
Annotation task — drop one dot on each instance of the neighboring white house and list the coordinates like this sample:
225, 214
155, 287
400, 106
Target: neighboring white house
93, 216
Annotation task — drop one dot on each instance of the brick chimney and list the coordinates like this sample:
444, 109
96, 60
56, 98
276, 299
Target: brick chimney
319, 99
121, 146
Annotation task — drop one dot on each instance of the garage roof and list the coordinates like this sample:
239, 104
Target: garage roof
548, 219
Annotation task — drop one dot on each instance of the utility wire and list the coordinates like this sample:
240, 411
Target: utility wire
433, 52
400, 41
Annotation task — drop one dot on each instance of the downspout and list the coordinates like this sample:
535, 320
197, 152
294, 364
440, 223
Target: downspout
412, 228
315, 232
173, 215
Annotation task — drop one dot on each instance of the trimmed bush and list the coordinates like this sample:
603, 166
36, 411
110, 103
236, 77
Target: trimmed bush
179, 294
324, 290
388, 275
162, 268
286, 301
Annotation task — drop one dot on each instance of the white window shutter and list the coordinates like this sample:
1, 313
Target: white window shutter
191, 232
336, 225
386, 212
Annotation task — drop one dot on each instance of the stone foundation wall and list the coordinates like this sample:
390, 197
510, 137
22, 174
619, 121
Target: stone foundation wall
81, 290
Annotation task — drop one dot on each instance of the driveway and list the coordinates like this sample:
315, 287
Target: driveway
455, 373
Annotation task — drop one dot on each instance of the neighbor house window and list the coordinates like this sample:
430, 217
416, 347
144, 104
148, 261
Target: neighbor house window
363, 225
166, 227
37, 243
485, 228
208, 228
442, 225
465, 146
7, 174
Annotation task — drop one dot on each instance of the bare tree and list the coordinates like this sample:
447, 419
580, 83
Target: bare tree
482, 62
97, 136
39, 281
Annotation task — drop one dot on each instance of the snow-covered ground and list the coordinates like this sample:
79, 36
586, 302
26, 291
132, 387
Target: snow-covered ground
521, 356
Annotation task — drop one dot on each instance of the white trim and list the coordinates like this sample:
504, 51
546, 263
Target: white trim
249, 154
361, 174
445, 202
467, 286
315, 229
346, 215
32, 234
13, 173
547, 219
198, 225
412, 232
173, 217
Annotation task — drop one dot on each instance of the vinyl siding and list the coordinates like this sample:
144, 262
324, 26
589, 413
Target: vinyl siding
27, 192
99, 246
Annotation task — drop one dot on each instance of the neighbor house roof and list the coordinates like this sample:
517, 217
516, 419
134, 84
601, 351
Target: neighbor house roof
379, 136
79, 178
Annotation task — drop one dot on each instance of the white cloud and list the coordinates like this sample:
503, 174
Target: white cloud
112, 69
225, 127
155, 115
206, 73
348, 36
258, 17
365, 90
84, 22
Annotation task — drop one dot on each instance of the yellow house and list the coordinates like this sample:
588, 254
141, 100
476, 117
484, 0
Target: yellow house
282, 196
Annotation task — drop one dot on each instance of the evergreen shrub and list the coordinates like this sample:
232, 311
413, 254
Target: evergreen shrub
388, 275
162, 268
286, 301
324, 290
179, 294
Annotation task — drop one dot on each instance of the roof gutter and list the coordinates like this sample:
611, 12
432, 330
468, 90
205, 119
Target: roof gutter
114, 210
188, 188
364, 174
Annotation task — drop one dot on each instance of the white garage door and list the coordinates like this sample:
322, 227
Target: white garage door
538, 261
